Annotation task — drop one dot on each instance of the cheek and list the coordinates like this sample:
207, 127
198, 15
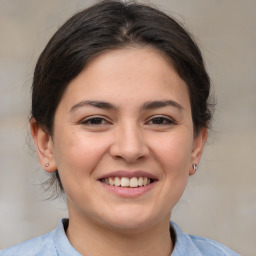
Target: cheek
77, 155
173, 151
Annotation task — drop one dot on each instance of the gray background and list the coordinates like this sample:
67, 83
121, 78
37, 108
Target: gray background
220, 200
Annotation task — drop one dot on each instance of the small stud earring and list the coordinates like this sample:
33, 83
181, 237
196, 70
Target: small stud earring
195, 167
46, 165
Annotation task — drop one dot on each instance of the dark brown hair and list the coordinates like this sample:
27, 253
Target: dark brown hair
110, 25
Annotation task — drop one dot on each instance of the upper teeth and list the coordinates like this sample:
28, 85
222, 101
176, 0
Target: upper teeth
127, 182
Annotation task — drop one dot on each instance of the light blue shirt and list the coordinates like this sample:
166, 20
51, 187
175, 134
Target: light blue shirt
56, 243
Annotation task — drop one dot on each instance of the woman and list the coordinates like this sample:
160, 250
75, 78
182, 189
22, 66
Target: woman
120, 114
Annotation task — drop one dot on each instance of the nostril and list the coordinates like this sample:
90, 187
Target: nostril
129, 145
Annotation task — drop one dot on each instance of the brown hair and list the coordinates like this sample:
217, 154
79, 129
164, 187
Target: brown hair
110, 25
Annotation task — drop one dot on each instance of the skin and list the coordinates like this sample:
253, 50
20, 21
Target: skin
91, 140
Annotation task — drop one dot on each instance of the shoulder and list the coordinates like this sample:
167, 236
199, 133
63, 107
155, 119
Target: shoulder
42, 245
191, 245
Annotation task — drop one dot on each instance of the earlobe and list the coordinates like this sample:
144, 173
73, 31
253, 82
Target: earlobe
44, 146
198, 146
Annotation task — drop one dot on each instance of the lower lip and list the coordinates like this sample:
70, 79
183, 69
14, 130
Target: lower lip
128, 192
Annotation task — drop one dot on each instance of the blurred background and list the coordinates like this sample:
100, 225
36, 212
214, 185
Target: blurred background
220, 200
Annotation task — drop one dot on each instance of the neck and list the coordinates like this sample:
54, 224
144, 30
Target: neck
92, 239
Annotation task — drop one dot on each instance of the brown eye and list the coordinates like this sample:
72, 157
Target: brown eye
94, 121
160, 120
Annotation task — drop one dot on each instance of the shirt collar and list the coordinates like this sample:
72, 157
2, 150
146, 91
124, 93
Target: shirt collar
183, 244
63, 246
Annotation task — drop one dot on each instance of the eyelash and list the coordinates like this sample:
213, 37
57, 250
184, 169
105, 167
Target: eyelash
165, 120
159, 120
94, 121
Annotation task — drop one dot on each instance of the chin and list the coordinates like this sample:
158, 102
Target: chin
131, 221
127, 226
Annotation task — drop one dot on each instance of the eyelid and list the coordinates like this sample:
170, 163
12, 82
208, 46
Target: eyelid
89, 118
168, 118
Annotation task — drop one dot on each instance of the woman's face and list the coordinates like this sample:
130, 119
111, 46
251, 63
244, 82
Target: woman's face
126, 118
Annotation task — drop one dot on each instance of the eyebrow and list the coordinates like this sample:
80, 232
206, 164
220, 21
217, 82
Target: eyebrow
145, 106
161, 104
93, 103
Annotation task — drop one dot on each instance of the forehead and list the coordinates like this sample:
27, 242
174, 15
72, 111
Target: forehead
127, 74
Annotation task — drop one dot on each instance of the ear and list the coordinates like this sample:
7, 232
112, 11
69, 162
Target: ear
198, 147
44, 146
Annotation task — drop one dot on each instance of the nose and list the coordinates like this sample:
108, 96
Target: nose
129, 144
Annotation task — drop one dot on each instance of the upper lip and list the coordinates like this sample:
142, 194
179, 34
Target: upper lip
128, 174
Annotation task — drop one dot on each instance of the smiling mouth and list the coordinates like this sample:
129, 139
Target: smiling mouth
126, 182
